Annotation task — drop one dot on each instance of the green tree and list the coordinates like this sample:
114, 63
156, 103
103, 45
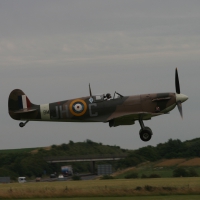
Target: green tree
180, 172
193, 173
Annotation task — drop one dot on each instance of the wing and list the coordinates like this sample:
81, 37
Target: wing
130, 118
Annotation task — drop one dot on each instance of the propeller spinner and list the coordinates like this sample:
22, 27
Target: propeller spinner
180, 98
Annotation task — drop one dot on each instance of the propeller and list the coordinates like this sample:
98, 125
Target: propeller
180, 98
90, 90
179, 105
177, 82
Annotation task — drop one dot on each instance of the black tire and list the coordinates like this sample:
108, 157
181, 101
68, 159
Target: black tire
145, 134
21, 124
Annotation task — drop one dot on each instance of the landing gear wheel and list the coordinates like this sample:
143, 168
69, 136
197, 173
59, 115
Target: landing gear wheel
145, 134
21, 124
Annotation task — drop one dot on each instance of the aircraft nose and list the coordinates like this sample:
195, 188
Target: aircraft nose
181, 97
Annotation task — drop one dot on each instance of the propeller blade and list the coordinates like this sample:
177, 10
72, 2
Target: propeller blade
179, 105
90, 90
177, 83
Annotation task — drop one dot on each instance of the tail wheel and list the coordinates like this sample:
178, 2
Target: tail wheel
145, 134
21, 124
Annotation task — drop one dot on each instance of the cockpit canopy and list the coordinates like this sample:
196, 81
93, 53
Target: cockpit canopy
105, 97
98, 97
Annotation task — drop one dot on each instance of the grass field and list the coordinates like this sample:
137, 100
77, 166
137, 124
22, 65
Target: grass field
191, 162
164, 173
170, 162
170, 197
102, 188
163, 168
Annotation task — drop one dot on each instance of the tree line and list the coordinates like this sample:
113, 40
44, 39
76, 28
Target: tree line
29, 163
168, 150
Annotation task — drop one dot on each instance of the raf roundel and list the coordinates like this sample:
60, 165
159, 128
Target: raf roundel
78, 107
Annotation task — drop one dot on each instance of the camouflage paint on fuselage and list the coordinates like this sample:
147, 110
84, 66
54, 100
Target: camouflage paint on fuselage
86, 109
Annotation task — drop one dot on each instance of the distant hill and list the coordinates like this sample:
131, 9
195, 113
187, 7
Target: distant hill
87, 147
30, 161
167, 150
70, 149
25, 150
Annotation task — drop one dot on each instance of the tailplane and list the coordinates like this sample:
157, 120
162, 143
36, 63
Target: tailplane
19, 103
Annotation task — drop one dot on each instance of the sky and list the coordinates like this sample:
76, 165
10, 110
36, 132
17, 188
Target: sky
52, 50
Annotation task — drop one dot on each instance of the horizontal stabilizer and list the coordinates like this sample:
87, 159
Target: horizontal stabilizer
25, 111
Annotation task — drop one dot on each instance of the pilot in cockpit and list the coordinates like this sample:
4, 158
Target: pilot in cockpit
107, 96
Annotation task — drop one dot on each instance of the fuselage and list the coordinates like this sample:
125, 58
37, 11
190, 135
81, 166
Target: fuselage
98, 109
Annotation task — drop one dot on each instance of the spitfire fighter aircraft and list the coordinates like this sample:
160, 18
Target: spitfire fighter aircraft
117, 110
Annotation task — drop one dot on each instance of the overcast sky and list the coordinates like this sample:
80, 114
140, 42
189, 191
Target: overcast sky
52, 50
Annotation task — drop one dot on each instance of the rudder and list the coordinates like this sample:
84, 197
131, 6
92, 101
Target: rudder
18, 101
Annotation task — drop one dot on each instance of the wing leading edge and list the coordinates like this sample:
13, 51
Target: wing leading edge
129, 119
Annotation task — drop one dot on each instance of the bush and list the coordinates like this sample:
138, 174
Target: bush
64, 147
180, 172
107, 177
76, 178
149, 188
193, 173
90, 142
151, 176
154, 176
71, 142
169, 188
132, 175
138, 188
144, 176
6, 172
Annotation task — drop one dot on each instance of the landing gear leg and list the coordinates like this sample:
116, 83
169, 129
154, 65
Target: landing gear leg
21, 124
145, 132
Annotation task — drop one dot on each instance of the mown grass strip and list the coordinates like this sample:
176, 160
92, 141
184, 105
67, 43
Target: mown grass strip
169, 197
102, 188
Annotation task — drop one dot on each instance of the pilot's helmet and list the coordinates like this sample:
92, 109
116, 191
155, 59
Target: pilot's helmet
108, 95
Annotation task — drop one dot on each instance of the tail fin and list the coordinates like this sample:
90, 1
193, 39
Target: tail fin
18, 102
